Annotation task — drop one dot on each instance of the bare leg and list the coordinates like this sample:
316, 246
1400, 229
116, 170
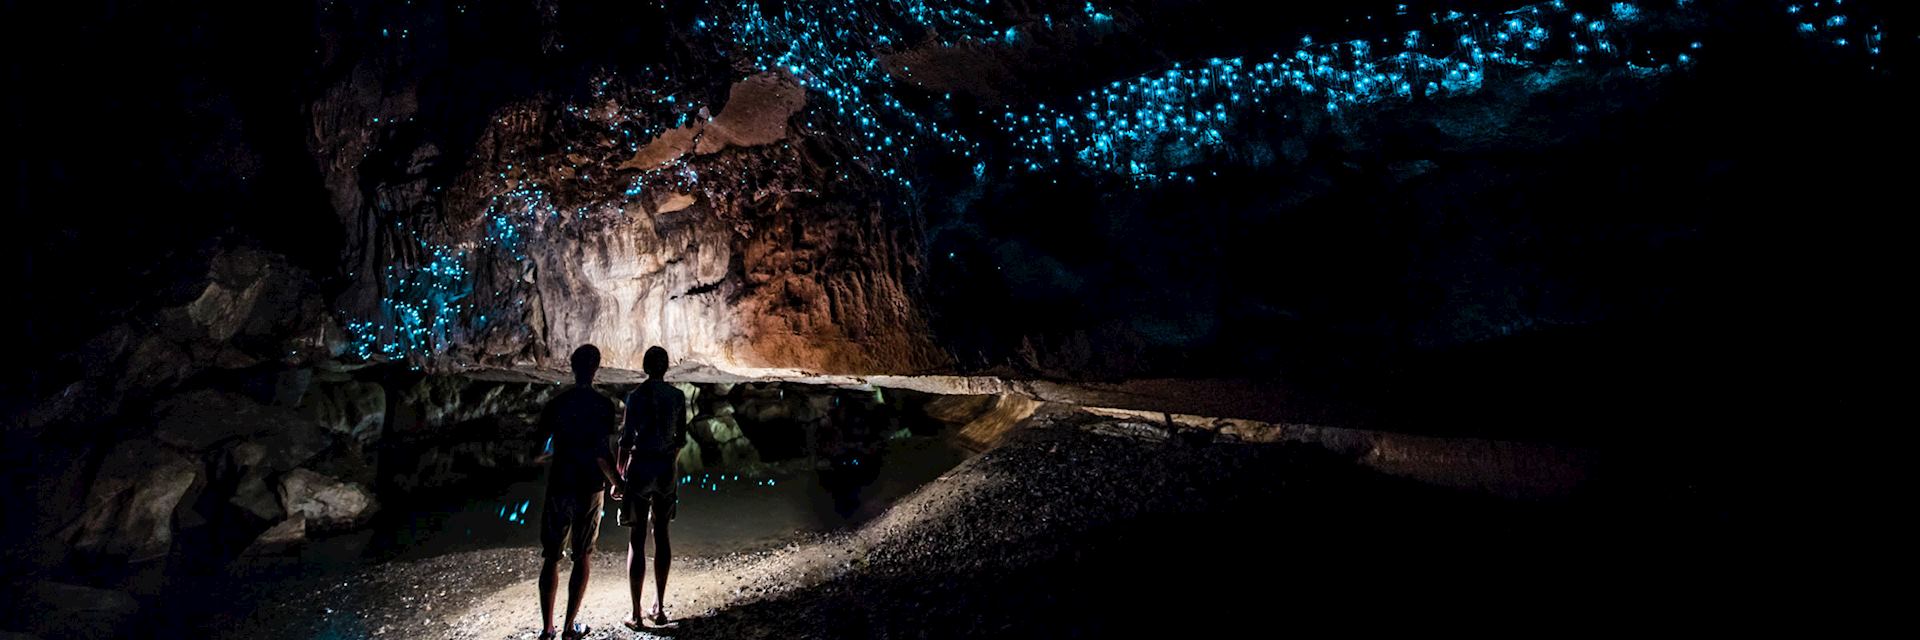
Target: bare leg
662, 559
636, 567
549, 583
577, 586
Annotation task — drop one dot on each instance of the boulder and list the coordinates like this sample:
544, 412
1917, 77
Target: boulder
738, 453
279, 538
292, 445
257, 497
714, 430
692, 392
54, 480
814, 406
158, 362
351, 464
223, 308
760, 410
257, 295
130, 506
81, 402
690, 460
324, 502
440, 401
725, 429
350, 409
982, 420
198, 420
701, 430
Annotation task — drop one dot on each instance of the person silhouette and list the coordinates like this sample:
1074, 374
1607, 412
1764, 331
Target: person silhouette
650, 440
577, 424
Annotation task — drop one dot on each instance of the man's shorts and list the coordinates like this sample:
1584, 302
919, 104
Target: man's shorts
570, 519
659, 494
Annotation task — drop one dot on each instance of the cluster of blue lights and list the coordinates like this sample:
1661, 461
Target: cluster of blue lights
958, 17
829, 48
630, 114
510, 213
1147, 128
1828, 21
1141, 126
1095, 15
678, 175
421, 307
713, 481
516, 515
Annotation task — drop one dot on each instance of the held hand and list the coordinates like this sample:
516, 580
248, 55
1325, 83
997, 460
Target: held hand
618, 491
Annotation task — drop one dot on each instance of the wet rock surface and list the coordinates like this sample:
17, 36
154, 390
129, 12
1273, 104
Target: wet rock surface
350, 409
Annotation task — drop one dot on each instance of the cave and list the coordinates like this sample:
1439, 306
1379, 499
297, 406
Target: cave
1047, 318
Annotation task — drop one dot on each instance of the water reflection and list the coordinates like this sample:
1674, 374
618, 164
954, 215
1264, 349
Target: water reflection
770, 463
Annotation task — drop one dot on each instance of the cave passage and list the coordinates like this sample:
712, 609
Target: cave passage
1049, 318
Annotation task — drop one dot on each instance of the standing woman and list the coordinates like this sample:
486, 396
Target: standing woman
650, 441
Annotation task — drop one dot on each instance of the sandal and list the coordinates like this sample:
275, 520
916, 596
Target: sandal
578, 632
547, 635
633, 624
659, 616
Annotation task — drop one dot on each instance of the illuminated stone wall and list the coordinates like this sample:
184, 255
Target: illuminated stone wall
761, 201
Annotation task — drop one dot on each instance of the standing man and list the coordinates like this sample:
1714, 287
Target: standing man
577, 423
656, 428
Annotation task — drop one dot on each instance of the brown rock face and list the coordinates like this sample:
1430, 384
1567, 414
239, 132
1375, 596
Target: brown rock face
198, 420
354, 410
323, 502
667, 148
129, 510
738, 242
756, 113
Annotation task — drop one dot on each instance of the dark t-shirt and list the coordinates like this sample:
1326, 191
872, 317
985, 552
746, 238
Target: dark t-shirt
579, 421
656, 424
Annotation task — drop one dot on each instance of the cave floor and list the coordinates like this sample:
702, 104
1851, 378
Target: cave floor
720, 512
1075, 528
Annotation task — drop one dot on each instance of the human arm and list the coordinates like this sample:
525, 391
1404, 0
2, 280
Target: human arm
680, 425
611, 467
617, 484
623, 452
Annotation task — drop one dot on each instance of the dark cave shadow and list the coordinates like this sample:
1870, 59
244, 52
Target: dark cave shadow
677, 628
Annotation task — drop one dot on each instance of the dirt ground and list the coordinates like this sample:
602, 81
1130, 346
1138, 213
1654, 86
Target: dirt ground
1082, 526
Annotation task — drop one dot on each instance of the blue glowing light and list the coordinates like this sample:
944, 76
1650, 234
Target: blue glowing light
1144, 129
